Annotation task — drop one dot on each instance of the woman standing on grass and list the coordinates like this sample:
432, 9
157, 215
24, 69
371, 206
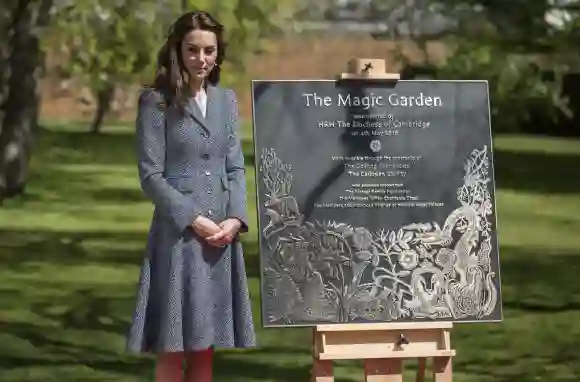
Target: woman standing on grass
193, 294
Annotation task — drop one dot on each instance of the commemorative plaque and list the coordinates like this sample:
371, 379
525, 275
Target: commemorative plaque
375, 202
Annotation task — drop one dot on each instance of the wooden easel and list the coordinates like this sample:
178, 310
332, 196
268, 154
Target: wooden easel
382, 346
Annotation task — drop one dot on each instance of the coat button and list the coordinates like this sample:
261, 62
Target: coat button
207, 173
205, 156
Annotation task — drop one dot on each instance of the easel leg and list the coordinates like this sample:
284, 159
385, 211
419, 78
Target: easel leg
384, 370
442, 369
421, 370
322, 371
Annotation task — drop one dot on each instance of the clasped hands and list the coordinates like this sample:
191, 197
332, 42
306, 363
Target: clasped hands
217, 235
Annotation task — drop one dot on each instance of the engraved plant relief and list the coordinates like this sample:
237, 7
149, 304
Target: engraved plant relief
333, 272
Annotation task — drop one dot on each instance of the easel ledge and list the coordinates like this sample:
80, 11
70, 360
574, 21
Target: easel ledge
382, 346
368, 69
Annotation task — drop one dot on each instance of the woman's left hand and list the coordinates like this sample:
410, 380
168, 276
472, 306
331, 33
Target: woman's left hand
230, 228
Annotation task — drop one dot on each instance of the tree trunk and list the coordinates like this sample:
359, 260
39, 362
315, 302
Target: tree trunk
104, 99
5, 22
20, 99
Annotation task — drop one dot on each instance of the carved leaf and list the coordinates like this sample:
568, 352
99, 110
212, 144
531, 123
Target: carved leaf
284, 293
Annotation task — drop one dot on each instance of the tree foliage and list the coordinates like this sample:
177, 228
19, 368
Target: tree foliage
111, 43
520, 93
524, 49
108, 43
109, 40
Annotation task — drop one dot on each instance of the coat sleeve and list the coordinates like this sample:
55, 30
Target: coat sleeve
235, 169
180, 209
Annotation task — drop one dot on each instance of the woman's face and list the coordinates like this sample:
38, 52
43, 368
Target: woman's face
199, 52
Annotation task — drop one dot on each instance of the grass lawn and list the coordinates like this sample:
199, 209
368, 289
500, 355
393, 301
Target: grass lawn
70, 252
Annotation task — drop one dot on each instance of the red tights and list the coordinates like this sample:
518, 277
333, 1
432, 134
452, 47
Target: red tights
198, 367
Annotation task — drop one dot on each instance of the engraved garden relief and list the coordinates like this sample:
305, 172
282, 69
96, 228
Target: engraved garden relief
329, 271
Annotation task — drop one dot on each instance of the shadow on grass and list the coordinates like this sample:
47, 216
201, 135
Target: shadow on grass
77, 147
537, 172
54, 183
540, 280
250, 366
84, 323
227, 368
120, 195
17, 248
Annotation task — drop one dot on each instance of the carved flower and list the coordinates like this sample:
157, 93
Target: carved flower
409, 259
362, 238
445, 259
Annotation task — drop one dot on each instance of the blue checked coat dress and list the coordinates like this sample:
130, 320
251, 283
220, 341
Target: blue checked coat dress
191, 296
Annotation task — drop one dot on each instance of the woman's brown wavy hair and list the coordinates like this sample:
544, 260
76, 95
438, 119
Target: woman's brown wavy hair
171, 77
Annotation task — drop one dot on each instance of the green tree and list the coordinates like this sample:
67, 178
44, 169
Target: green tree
109, 44
112, 43
535, 38
512, 45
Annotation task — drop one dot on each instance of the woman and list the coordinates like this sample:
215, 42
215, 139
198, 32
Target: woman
193, 294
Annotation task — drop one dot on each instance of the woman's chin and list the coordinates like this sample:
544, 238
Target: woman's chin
200, 75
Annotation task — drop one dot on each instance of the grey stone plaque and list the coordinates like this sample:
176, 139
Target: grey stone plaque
375, 202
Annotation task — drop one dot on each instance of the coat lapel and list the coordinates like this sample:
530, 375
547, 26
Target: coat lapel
209, 122
212, 113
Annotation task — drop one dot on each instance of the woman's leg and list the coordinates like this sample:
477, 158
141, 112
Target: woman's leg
199, 366
169, 367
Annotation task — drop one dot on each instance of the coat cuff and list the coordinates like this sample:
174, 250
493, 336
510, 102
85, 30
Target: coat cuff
243, 220
185, 217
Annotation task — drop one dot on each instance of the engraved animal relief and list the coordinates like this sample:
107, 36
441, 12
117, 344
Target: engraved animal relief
333, 272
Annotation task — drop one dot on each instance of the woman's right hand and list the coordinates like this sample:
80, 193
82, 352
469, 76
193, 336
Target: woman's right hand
205, 227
